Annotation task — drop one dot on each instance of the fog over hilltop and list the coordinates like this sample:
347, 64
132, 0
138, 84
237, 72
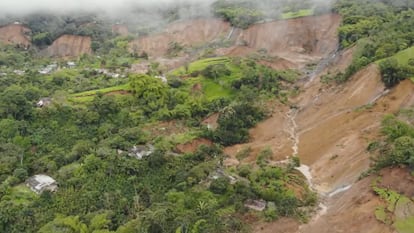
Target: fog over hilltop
110, 6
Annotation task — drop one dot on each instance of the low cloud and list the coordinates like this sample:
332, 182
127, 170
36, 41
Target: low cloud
21, 7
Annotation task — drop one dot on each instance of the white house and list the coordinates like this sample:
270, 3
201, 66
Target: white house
43, 102
40, 183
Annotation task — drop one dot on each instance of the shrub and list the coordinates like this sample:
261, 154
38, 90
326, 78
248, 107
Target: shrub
215, 71
220, 185
264, 156
21, 174
392, 73
244, 171
239, 14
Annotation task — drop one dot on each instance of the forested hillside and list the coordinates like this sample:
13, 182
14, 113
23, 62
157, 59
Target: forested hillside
85, 140
219, 126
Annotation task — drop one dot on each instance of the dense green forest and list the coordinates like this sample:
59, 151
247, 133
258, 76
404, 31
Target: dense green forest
378, 30
83, 140
244, 13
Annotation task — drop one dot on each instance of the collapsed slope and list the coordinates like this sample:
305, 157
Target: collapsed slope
186, 33
16, 34
335, 147
286, 43
330, 130
339, 122
298, 41
70, 46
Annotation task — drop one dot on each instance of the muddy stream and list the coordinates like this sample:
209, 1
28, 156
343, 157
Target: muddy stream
293, 131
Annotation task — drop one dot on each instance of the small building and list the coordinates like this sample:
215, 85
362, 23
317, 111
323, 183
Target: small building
19, 72
48, 69
41, 183
162, 78
43, 102
258, 205
140, 152
218, 173
71, 64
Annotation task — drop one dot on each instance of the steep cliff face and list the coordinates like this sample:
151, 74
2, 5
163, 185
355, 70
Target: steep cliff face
70, 46
185, 33
314, 35
16, 34
296, 41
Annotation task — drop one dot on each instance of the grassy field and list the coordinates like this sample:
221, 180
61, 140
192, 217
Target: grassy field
297, 14
212, 89
21, 194
201, 64
402, 57
87, 96
405, 225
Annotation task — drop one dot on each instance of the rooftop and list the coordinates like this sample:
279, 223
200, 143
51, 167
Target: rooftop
40, 183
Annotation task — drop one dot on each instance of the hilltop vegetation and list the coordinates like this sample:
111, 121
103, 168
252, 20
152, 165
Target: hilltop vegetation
244, 13
397, 148
379, 30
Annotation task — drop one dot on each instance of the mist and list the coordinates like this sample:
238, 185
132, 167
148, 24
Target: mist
23, 7
138, 15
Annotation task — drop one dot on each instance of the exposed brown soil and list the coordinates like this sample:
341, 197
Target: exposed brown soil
140, 68
165, 128
352, 211
279, 64
283, 225
298, 41
334, 127
68, 46
342, 61
192, 146
398, 179
288, 43
16, 34
165, 64
211, 121
271, 133
186, 33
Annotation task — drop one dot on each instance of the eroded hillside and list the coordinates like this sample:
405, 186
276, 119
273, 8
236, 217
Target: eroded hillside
70, 46
327, 126
16, 34
329, 130
187, 33
298, 41
285, 43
